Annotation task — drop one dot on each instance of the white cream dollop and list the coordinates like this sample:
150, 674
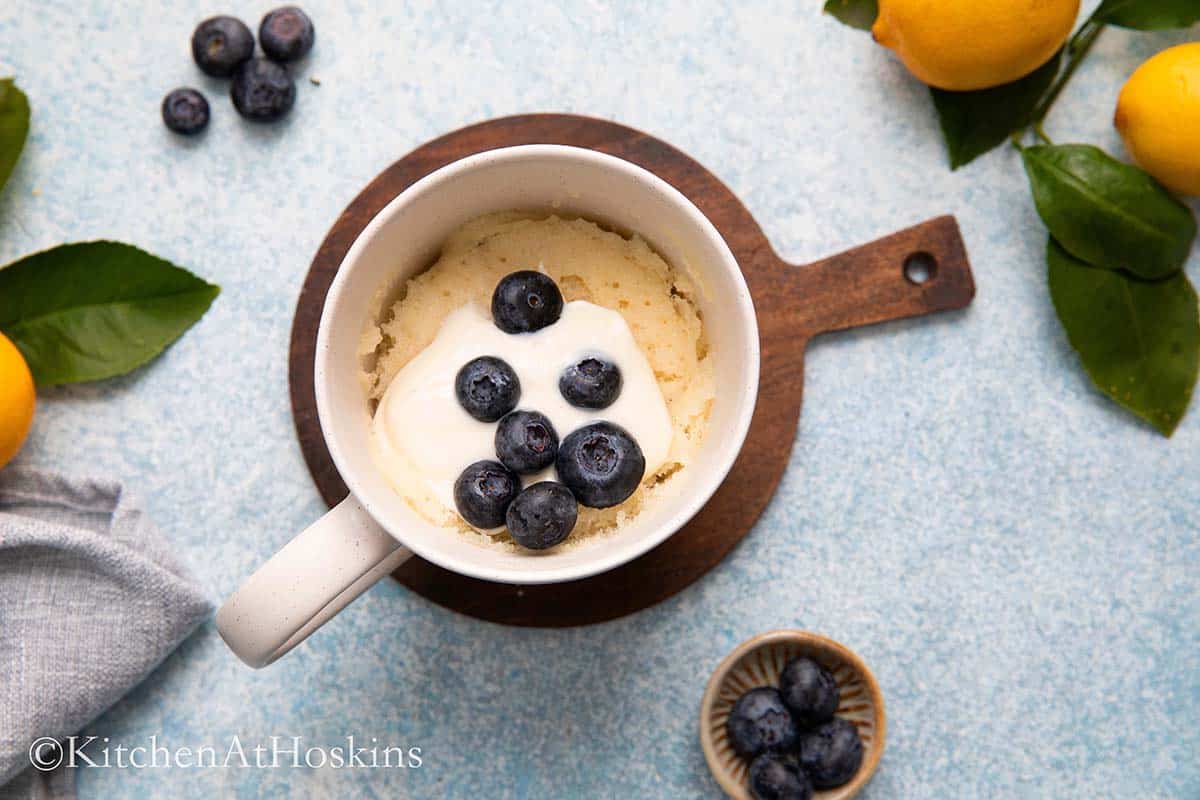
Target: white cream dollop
421, 433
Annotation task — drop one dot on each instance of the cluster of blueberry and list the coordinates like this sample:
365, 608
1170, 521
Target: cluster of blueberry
262, 89
793, 736
598, 465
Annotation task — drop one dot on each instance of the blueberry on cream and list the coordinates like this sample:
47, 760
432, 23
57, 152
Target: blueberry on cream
592, 382
526, 442
601, 464
483, 493
487, 388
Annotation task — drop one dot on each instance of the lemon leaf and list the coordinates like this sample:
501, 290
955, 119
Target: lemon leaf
859, 14
92, 310
14, 126
1148, 15
1107, 213
975, 122
1139, 341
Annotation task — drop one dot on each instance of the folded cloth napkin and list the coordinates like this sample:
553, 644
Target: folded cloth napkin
91, 600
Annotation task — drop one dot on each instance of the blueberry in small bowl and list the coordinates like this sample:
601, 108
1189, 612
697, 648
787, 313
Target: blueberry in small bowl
831, 754
286, 34
262, 90
601, 463
778, 777
542, 515
483, 493
526, 301
526, 442
593, 382
220, 44
760, 723
809, 691
185, 111
487, 388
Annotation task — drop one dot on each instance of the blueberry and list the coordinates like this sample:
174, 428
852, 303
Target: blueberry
483, 492
778, 777
542, 515
286, 34
809, 691
760, 723
593, 382
831, 753
185, 111
526, 301
262, 91
487, 388
221, 43
601, 463
526, 442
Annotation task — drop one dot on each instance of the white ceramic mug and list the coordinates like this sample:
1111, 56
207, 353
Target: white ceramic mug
373, 530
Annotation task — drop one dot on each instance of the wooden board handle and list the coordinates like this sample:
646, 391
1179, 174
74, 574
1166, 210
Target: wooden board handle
881, 281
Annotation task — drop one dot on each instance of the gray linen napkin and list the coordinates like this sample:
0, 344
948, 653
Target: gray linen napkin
91, 601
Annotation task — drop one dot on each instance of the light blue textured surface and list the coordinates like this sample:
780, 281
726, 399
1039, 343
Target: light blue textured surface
1015, 557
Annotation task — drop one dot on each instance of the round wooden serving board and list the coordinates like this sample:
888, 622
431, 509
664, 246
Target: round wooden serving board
862, 286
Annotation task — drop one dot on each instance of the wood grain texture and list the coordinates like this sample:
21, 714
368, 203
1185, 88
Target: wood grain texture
862, 286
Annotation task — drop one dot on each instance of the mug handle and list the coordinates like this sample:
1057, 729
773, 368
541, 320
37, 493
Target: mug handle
305, 584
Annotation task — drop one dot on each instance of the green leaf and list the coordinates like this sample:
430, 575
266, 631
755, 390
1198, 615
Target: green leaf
1149, 15
975, 122
859, 14
14, 126
1106, 213
82, 312
1138, 340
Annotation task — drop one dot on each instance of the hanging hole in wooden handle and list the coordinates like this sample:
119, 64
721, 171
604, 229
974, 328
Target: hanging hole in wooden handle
920, 267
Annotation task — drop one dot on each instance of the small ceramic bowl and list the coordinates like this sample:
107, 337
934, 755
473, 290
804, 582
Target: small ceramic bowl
759, 662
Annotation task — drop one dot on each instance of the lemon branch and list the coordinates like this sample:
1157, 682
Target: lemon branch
1077, 49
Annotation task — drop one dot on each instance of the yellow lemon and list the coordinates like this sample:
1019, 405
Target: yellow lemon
16, 400
1158, 115
962, 45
